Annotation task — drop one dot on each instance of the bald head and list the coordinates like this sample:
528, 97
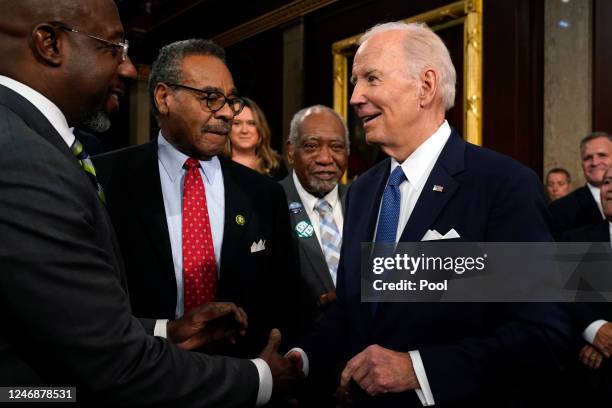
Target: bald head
55, 48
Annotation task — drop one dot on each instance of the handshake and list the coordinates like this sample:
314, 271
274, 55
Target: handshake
207, 325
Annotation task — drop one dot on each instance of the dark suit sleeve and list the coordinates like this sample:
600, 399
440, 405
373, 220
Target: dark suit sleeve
529, 338
285, 303
65, 311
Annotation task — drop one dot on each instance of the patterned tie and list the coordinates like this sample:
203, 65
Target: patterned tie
331, 240
199, 265
388, 219
79, 152
390, 208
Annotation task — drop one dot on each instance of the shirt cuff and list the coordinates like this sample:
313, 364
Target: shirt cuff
160, 329
265, 382
424, 392
305, 364
589, 333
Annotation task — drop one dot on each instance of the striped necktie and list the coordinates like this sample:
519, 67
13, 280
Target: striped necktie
331, 240
79, 152
386, 230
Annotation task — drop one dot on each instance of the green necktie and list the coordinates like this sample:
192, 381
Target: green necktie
87, 165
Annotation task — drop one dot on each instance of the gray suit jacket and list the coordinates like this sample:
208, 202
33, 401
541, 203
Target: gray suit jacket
65, 308
314, 272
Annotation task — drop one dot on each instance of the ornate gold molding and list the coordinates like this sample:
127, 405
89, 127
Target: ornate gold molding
472, 72
466, 12
281, 15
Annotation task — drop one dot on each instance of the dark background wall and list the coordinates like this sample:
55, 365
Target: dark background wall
513, 61
602, 65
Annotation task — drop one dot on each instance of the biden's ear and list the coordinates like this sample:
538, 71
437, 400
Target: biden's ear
428, 87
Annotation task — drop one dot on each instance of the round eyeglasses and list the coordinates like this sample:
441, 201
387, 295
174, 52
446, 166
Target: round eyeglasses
214, 100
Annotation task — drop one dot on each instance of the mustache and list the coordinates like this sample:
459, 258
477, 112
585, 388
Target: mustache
220, 128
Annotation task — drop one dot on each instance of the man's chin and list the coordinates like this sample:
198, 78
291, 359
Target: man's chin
97, 122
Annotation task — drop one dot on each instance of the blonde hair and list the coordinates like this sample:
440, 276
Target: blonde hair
269, 159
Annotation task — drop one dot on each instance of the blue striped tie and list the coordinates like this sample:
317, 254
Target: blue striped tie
79, 152
386, 231
388, 218
331, 240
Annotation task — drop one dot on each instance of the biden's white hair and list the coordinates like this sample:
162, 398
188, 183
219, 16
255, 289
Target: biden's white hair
424, 50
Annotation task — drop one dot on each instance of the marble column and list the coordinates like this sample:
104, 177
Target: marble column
567, 83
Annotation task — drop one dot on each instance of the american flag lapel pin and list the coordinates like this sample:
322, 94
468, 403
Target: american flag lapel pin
437, 188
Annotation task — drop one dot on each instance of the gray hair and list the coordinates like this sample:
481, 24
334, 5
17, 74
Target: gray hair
593, 136
167, 67
424, 50
298, 118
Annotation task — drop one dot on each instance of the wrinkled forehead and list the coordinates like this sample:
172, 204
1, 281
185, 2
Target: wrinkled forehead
381, 51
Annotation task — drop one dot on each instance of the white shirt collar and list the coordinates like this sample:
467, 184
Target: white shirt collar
310, 200
49, 110
172, 161
421, 161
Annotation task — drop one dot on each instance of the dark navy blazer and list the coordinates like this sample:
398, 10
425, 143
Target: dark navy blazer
473, 353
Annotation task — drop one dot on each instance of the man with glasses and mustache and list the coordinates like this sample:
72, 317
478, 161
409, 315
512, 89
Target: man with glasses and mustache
194, 227
66, 317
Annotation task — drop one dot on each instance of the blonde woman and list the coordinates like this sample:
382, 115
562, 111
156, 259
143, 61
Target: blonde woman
249, 142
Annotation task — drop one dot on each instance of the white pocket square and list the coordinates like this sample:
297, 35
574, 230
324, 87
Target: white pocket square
258, 246
433, 235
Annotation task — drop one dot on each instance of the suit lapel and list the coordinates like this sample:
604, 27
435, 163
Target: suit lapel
370, 202
236, 203
313, 252
147, 189
35, 120
431, 202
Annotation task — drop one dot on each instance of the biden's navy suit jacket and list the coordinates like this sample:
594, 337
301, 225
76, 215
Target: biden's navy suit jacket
474, 354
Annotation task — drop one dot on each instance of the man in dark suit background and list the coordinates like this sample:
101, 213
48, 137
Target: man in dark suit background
317, 148
582, 207
435, 185
67, 318
249, 226
593, 319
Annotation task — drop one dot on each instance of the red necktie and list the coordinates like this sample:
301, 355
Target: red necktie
199, 265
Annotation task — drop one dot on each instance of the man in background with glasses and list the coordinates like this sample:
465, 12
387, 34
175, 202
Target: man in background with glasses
193, 226
66, 317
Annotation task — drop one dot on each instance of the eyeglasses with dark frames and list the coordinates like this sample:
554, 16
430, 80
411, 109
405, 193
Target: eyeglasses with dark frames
123, 46
215, 100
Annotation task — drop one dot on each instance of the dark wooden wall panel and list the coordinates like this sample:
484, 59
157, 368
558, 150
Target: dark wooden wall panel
513, 79
602, 66
257, 67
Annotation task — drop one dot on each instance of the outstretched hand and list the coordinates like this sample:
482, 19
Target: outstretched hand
207, 324
286, 371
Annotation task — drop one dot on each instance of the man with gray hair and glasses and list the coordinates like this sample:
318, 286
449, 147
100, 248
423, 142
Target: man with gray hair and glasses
193, 226
433, 186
